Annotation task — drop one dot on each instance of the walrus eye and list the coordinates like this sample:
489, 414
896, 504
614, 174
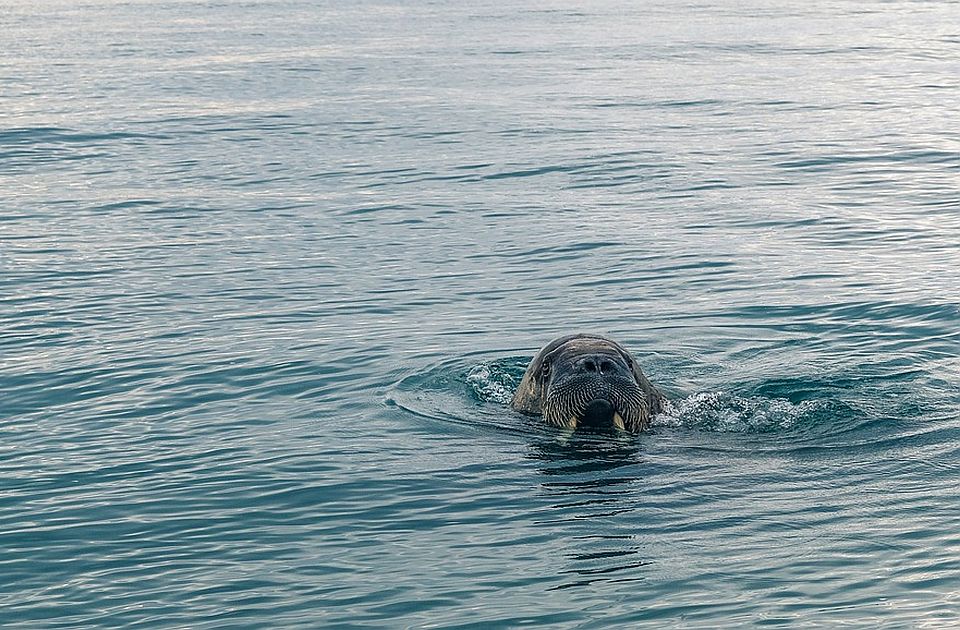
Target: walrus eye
545, 369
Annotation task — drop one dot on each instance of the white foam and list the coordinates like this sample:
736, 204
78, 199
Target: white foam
727, 413
491, 383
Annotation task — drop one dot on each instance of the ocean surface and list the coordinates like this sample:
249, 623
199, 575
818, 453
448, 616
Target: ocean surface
270, 271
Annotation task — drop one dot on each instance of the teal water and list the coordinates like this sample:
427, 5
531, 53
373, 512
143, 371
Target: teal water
269, 272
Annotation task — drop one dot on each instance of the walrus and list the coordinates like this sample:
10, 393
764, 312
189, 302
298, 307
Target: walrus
588, 380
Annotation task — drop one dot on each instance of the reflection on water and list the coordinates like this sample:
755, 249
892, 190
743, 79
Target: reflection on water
586, 451
593, 476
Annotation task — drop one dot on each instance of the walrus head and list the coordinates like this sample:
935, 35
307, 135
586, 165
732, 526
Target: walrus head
587, 380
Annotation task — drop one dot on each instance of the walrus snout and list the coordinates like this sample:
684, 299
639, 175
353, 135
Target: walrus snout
580, 397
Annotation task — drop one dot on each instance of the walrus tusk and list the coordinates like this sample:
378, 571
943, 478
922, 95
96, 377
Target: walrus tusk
618, 421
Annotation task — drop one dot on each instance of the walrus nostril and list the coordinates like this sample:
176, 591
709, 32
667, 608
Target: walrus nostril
598, 365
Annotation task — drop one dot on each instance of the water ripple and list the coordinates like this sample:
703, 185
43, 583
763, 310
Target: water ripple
271, 273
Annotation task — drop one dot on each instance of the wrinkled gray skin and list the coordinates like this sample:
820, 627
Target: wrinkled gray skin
588, 380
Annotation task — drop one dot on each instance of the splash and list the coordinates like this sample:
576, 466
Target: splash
477, 394
727, 413
493, 382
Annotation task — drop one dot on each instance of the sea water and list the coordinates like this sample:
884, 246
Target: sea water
270, 272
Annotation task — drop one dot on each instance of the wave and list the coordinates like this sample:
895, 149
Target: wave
478, 394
